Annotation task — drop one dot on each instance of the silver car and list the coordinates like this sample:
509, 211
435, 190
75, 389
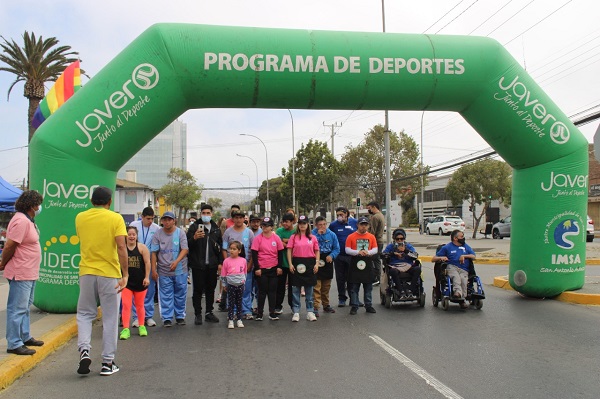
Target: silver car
502, 228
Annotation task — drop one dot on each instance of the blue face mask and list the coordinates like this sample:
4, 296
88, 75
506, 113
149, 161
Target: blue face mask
38, 211
206, 219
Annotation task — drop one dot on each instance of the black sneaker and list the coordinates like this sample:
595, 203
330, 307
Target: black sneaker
198, 320
180, 322
167, 323
273, 316
109, 368
370, 309
84, 362
258, 317
353, 310
222, 308
211, 318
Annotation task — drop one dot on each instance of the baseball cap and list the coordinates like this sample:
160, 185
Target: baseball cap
238, 213
267, 222
168, 215
101, 195
254, 216
302, 219
289, 217
362, 220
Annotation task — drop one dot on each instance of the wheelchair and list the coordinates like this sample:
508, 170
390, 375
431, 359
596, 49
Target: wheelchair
442, 291
390, 293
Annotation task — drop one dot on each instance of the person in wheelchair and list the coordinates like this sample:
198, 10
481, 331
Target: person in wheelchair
456, 254
401, 256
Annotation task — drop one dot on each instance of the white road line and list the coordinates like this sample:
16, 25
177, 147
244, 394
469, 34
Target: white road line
415, 368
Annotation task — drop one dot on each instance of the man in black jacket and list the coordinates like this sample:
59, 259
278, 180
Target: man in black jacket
205, 259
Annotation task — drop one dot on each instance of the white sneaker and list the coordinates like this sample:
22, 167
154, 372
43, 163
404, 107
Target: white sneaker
296, 317
310, 316
230, 325
240, 324
150, 322
135, 323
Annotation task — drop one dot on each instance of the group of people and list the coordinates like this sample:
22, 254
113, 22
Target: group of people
123, 267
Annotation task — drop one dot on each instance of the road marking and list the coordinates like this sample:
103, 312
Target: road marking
415, 368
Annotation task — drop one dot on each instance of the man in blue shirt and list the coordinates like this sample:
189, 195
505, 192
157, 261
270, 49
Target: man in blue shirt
400, 260
456, 253
343, 226
330, 249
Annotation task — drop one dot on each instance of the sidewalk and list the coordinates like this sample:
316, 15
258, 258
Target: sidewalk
57, 329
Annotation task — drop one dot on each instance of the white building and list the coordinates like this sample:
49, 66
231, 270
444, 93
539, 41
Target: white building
131, 198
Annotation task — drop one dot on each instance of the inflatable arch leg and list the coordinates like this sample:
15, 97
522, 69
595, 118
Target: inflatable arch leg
174, 67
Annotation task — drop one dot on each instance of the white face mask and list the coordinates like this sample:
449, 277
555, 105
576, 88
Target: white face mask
341, 219
206, 219
38, 211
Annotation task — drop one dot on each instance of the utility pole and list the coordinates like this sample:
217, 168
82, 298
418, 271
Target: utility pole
388, 182
332, 126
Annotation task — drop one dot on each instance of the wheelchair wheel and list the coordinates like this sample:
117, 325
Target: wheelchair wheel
445, 303
422, 299
478, 303
382, 297
388, 301
434, 298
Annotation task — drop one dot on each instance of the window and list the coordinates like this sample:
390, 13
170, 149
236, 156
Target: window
131, 197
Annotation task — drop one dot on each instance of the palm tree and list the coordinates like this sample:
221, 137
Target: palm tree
37, 62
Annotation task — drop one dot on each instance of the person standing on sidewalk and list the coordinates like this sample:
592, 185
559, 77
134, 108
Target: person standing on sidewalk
138, 257
146, 229
343, 226
362, 247
169, 259
330, 249
205, 259
21, 260
103, 274
377, 228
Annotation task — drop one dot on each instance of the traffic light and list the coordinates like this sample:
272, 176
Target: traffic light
357, 201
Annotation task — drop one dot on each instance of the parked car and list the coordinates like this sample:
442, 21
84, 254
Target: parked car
445, 225
502, 228
590, 229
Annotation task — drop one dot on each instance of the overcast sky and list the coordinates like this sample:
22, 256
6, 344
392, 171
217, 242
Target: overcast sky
558, 41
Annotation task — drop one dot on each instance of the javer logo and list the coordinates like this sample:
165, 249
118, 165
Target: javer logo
145, 76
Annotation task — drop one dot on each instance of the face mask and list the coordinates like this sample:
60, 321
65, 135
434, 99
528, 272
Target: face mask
206, 219
370, 212
462, 241
340, 219
38, 211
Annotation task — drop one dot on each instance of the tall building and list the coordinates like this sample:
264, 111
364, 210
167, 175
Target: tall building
152, 163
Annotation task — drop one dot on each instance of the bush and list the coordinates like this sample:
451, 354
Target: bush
410, 218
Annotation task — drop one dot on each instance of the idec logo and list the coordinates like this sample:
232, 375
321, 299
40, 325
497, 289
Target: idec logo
144, 77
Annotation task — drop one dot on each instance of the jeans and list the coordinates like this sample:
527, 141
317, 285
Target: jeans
172, 293
368, 294
20, 298
308, 290
249, 294
342, 264
415, 273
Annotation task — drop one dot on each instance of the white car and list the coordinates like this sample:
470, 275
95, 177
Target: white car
590, 229
445, 225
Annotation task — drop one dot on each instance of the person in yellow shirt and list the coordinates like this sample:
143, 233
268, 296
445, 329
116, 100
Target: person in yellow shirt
103, 274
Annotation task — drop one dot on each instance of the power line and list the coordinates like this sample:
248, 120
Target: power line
442, 17
537, 23
509, 18
471, 5
490, 17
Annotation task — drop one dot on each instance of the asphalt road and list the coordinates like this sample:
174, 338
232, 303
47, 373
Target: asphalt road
512, 348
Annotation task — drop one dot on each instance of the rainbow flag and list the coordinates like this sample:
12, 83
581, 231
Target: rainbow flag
66, 85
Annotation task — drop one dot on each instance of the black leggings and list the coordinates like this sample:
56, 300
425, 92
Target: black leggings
267, 286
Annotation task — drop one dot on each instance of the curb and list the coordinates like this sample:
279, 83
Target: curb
15, 366
567, 296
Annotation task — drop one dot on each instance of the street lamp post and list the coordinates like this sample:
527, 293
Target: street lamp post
255, 166
267, 160
243, 174
293, 166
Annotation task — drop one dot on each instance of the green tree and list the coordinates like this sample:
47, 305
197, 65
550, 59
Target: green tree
182, 192
216, 203
38, 61
364, 165
316, 173
479, 183
280, 197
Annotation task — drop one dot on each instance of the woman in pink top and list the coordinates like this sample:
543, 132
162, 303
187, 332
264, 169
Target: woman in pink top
267, 256
303, 258
21, 260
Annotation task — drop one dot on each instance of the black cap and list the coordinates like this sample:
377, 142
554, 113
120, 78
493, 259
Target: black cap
267, 222
101, 195
255, 216
362, 220
302, 219
289, 217
238, 213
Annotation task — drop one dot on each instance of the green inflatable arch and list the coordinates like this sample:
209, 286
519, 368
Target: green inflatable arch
171, 68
